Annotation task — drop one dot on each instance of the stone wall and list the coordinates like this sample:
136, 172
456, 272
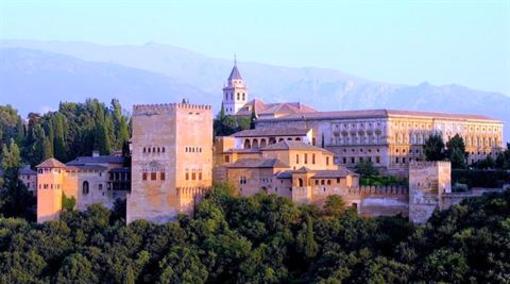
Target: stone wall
171, 149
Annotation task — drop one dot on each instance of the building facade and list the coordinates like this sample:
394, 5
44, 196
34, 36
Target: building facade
89, 180
391, 139
171, 160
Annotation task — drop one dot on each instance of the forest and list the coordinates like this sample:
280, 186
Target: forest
262, 239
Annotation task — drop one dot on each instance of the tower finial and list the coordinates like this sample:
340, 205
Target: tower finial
235, 59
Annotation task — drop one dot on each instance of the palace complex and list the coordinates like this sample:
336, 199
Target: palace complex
294, 151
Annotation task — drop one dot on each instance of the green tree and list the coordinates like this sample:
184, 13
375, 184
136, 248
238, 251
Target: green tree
253, 118
182, 265
434, 148
456, 152
334, 206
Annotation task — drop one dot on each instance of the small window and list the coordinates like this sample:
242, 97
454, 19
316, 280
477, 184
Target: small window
85, 187
187, 176
327, 161
100, 186
144, 176
199, 176
162, 175
227, 159
193, 176
153, 176
306, 158
163, 149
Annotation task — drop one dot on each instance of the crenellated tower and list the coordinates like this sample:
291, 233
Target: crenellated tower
235, 93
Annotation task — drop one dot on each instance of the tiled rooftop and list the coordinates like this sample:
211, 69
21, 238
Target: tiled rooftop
258, 163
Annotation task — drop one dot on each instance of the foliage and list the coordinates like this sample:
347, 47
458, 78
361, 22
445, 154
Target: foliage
262, 239
434, 148
68, 203
481, 178
15, 199
369, 175
366, 168
225, 125
456, 152
75, 129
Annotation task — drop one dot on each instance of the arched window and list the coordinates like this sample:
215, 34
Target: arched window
238, 98
247, 144
272, 140
85, 187
255, 143
244, 97
263, 143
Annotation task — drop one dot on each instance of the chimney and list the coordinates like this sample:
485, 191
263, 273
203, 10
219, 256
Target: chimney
95, 153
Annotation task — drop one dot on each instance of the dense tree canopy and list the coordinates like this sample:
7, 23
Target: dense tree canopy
263, 238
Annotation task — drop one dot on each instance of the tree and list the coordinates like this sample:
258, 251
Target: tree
15, 198
456, 152
366, 168
305, 239
434, 148
47, 149
334, 206
253, 118
182, 265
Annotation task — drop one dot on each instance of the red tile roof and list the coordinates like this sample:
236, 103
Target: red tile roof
51, 163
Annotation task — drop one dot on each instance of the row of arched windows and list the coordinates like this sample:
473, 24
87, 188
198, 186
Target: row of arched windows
239, 96
193, 175
193, 149
153, 175
153, 149
263, 142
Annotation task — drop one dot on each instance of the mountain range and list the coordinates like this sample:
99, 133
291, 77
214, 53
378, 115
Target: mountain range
37, 75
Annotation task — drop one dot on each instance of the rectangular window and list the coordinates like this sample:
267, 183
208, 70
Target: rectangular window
337, 180
396, 160
327, 161
316, 182
153, 176
378, 159
297, 158
306, 158
227, 159
403, 160
199, 176
162, 176
313, 159
352, 160
344, 160
193, 176
187, 176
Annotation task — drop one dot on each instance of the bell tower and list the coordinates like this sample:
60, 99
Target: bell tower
235, 93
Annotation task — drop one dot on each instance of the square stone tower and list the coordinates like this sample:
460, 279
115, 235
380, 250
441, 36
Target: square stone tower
50, 185
428, 181
171, 160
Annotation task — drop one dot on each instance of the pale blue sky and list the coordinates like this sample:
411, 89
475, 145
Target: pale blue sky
442, 42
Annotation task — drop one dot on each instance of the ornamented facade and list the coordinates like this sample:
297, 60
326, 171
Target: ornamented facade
391, 139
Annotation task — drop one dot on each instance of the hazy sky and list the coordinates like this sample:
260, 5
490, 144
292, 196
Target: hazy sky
463, 42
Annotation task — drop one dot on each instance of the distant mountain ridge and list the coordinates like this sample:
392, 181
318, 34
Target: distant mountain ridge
153, 73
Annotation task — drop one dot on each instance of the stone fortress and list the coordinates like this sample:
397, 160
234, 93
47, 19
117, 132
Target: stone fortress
294, 151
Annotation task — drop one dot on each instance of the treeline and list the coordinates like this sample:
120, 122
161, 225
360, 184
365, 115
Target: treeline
74, 129
262, 239
454, 150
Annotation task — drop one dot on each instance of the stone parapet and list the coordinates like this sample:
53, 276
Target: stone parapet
379, 190
147, 109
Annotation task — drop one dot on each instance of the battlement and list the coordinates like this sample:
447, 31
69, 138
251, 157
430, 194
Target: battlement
379, 190
427, 164
151, 109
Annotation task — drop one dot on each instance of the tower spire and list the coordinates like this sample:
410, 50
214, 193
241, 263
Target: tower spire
235, 59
